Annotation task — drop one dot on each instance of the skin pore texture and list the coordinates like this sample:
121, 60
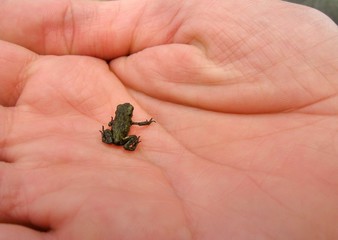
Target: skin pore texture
244, 94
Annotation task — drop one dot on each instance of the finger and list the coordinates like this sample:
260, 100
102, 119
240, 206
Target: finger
4, 130
103, 29
183, 74
15, 232
251, 80
14, 61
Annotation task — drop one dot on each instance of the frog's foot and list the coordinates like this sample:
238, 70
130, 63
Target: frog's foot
111, 122
131, 142
107, 135
146, 122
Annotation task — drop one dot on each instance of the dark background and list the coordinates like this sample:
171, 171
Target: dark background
329, 7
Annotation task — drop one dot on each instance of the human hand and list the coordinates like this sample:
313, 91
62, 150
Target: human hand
244, 95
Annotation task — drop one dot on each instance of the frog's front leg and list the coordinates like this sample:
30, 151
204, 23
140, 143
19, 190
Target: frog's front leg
107, 135
146, 122
131, 142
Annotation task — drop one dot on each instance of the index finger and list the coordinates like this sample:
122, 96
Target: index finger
100, 29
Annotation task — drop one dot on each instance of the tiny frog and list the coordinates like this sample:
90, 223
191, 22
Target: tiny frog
120, 126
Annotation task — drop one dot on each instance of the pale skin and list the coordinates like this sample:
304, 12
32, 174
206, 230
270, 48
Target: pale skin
244, 94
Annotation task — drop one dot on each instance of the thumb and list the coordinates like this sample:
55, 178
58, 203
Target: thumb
179, 73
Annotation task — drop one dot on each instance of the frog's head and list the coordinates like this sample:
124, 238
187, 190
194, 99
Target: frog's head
129, 109
126, 109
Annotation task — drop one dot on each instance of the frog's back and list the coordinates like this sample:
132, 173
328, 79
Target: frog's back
122, 122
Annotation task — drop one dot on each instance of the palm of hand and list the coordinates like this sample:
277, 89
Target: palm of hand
210, 164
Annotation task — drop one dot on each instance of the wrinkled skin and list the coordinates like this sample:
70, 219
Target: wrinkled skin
245, 98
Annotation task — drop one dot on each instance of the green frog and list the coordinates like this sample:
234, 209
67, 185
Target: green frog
120, 127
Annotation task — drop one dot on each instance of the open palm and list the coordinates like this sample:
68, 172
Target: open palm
245, 140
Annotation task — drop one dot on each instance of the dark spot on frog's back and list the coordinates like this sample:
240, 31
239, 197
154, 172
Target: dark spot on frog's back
120, 127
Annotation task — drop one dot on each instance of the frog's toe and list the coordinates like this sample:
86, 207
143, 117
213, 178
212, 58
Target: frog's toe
106, 135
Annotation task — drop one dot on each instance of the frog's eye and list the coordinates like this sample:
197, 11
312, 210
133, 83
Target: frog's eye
130, 110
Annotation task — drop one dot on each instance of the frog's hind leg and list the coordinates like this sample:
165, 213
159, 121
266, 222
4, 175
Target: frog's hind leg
131, 142
107, 135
